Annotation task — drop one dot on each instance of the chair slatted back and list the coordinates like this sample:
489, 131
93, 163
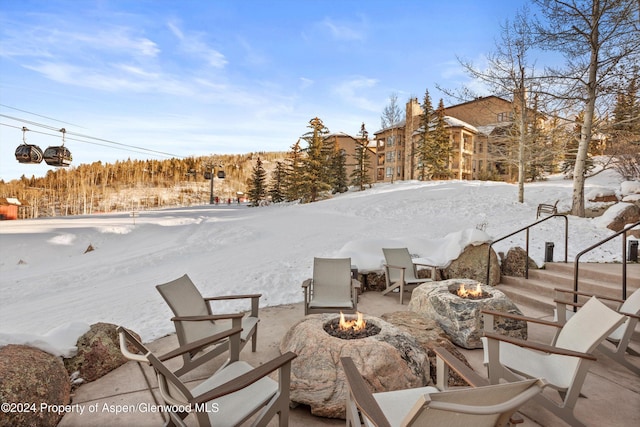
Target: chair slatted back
184, 299
632, 306
401, 258
332, 278
588, 327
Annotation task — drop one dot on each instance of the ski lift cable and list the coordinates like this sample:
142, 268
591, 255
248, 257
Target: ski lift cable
67, 138
40, 115
89, 137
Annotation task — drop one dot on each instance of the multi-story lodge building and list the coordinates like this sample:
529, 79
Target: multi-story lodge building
477, 129
473, 127
348, 145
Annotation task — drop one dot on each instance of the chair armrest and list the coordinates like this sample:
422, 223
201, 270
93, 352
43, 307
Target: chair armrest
197, 345
470, 376
520, 317
226, 297
635, 316
579, 304
255, 301
425, 265
394, 266
207, 317
587, 294
307, 283
361, 393
246, 379
126, 339
539, 347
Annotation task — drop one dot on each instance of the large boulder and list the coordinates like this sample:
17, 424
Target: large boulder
622, 215
472, 264
515, 262
372, 281
461, 318
390, 360
98, 353
36, 382
429, 335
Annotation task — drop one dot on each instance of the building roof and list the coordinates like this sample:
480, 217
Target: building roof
451, 122
12, 201
400, 124
482, 98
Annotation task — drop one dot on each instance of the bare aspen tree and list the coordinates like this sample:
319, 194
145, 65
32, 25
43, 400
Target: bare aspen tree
510, 73
596, 38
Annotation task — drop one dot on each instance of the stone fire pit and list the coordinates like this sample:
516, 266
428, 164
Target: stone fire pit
460, 318
389, 360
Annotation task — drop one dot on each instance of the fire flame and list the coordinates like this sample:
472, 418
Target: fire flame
466, 293
355, 324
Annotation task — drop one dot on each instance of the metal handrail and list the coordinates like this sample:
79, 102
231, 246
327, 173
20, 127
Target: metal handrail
526, 269
624, 260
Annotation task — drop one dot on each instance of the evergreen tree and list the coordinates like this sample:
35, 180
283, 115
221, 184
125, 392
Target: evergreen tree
360, 175
278, 176
339, 172
257, 188
316, 178
294, 171
439, 146
426, 137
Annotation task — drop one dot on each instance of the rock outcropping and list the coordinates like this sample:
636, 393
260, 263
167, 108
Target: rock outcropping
390, 360
460, 318
36, 382
472, 264
98, 353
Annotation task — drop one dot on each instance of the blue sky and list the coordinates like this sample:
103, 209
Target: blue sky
192, 78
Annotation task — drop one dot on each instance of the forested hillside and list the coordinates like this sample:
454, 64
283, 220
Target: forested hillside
134, 184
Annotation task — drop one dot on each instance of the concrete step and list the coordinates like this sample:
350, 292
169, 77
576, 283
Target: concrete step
537, 292
609, 272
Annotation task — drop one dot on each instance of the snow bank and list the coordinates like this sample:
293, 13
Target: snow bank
60, 341
367, 254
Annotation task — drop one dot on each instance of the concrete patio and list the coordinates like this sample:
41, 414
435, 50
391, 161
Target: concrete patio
612, 394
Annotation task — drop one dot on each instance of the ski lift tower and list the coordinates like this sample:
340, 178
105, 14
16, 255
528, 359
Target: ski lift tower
208, 174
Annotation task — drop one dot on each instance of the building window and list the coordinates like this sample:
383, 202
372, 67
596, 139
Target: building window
389, 172
391, 155
391, 141
505, 117
381, 144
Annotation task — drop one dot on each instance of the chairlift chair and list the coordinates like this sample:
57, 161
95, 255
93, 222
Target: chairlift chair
29, 153
58, 156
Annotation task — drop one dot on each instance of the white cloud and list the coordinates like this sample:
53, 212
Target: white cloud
193, 44
305, 82
346, 31
353, 92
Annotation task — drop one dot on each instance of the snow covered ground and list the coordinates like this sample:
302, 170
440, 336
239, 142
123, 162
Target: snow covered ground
51, 290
